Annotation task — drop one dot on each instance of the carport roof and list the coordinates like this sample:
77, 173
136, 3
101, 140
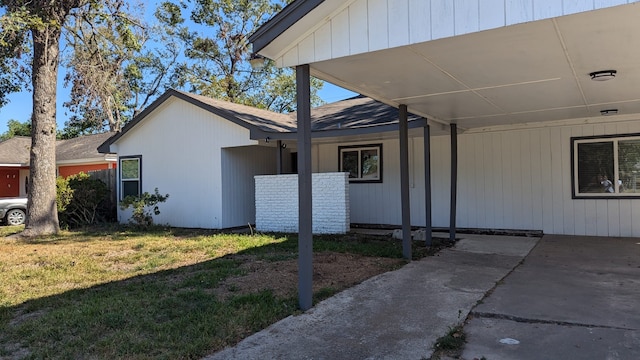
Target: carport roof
452, 67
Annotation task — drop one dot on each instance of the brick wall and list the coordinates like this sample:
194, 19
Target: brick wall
277, 203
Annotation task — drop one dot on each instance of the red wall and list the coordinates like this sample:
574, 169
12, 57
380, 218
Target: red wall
66, 171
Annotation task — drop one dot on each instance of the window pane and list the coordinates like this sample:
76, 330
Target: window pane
370, 164
595, 167
130, 188
130, 169
350, 163
629, 166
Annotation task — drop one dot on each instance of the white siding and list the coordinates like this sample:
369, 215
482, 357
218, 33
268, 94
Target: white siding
239, 166
181, 146
369, 25
517, 179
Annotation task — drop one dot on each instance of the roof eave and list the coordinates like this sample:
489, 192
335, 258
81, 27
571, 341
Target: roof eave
318, 134
280, 22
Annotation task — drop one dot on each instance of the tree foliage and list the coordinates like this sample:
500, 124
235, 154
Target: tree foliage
217, 55
14, 49
82, 201
35, 28
118, 64
16, 128
144, 207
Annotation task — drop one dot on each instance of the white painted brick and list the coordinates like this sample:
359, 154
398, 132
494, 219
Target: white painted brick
277, 203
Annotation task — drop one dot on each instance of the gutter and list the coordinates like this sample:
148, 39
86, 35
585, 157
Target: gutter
280, 22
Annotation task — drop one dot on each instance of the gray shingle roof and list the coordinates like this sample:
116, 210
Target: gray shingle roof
265, 120
354, 114
15, 151
83, 147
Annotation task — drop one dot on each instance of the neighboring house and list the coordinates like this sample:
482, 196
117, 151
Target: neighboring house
72, 156
81, 154
14, 166
516, 87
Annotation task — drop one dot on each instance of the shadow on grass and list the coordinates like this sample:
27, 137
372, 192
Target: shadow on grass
171, 314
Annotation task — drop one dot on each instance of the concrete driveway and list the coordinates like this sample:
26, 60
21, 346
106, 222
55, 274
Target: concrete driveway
574, 297
570, 297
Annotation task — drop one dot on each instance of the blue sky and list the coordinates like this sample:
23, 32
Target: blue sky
20, 105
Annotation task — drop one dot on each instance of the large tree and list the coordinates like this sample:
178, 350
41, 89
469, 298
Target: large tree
42, 22
217, 55
117, 66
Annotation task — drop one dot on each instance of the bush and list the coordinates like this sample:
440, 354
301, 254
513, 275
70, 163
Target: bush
82, 201
143, 207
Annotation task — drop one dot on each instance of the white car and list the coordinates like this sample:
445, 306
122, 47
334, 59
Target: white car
13, 211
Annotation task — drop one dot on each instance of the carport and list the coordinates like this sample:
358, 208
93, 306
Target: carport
535, 82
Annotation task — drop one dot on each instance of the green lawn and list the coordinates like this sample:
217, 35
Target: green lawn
114, 292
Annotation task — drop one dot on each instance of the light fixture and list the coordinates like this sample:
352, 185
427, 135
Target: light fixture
284, 146
603, 75
607, 112
257, 62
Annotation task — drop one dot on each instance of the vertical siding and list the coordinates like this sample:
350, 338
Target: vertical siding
370, 25
519, 179
181, 146
239, 166
379, 29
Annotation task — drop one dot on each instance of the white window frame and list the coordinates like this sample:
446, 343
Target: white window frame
614, 140
359, 149
123, 180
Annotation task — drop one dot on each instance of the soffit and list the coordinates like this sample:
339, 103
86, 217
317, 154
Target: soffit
537, 71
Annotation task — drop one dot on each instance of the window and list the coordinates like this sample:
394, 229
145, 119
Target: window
363, 163
130, 176
606, 167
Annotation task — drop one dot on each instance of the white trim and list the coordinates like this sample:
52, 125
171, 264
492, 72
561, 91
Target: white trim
90, 161
555, 123
615, 181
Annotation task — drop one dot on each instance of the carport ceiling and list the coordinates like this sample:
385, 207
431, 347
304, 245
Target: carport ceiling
532, 72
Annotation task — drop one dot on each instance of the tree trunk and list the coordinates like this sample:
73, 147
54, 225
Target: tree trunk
42, 214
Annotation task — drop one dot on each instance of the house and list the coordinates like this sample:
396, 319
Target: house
72, 156
505, 112
530, 106
205, 153
200, 151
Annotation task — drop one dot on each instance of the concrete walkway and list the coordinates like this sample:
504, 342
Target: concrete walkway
396, 315
574, 297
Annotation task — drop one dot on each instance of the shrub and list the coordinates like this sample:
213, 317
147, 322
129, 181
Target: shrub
82, 200
144, 206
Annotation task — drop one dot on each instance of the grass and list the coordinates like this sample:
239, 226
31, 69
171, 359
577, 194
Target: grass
450, 344
114, 292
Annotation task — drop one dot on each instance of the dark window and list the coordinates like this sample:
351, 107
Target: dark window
605, 167
362, 162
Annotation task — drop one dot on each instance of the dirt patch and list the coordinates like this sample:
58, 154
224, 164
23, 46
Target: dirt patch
330, 270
